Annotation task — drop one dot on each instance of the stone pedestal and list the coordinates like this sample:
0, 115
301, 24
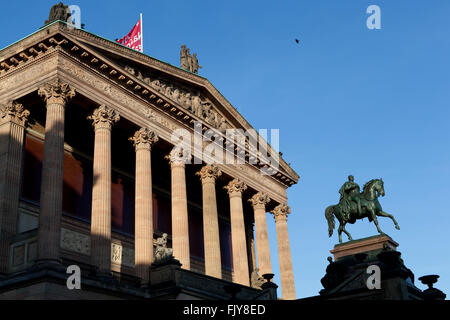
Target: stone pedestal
364, 245
367, 261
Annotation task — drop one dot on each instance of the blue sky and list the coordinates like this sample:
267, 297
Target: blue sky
347, 100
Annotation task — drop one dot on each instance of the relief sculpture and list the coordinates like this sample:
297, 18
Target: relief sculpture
189, 100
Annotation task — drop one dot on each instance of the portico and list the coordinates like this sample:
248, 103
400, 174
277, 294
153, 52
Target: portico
104, 122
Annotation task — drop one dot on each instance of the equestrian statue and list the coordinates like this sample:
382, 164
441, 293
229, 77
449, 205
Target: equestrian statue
355, 205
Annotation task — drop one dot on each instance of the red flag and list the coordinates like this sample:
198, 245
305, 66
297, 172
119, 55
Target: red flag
134, 39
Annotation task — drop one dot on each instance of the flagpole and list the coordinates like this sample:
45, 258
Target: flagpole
142, 34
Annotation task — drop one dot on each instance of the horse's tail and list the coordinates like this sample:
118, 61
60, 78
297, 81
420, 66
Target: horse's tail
330, 219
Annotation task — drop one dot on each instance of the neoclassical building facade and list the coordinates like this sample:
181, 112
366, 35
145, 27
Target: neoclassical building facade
89, 175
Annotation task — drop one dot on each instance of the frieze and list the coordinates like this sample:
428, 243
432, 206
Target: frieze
155, 117
122, 255
13, 81
264, 180
75, 242
81, 243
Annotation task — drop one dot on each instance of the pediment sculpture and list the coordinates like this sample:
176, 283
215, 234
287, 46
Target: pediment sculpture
188, 99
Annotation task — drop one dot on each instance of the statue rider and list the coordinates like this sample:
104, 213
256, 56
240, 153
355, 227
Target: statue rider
350, 191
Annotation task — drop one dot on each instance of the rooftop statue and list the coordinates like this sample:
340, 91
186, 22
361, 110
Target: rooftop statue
189, 62
59, 11
355, 205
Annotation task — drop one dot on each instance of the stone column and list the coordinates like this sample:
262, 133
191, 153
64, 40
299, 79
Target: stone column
143, 236
102, 119
251, 246
56, 95
238, 236
211, 238
13, 118
259, 202
180, 219
284, 252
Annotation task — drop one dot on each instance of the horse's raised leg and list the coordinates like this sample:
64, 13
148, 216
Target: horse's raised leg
385, 214
375, 220
340, 232
347, 233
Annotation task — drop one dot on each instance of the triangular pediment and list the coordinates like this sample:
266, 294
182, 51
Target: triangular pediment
173, 90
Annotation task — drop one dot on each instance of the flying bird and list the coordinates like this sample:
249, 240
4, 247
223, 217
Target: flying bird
296, 40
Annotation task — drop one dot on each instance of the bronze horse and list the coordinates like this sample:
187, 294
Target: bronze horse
370, 208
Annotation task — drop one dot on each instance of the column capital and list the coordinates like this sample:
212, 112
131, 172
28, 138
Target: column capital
144, 138
281, 212
259, 200
178, 157
13, 111
236, 187
104, 117
209, 173
56, 92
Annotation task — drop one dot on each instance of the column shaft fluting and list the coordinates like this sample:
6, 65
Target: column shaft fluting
180, 218
102, 118
56, 95
143, 141
259, 202
251, 247
284, 252
211, 238
12, 126
238, 234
